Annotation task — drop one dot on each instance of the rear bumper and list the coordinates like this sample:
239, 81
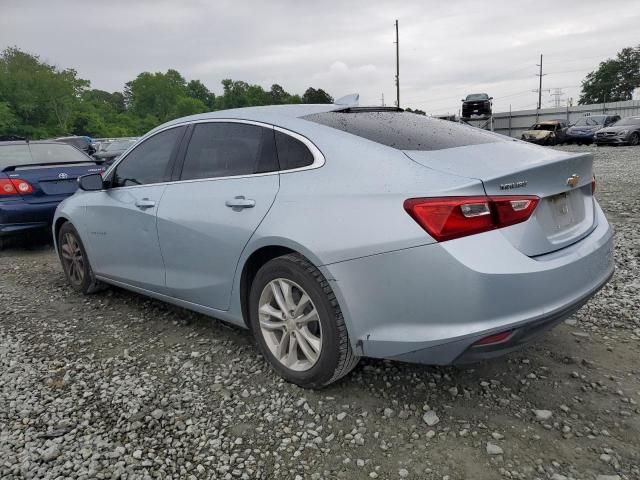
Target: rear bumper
18, 217
429, 304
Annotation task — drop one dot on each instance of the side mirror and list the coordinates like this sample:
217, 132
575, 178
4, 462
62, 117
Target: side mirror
91, 182
490, 98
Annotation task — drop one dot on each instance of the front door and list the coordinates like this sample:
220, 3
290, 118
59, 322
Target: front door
227, 184
121, 220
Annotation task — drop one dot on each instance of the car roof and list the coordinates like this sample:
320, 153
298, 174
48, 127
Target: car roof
25, 142
279, 115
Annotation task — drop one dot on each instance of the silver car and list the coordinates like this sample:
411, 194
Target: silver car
335, 233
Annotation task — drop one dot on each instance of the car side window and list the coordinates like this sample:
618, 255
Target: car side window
292, 153
226, 149
150, 161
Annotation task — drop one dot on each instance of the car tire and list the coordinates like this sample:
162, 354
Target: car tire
75, 262
310, 353
634, 139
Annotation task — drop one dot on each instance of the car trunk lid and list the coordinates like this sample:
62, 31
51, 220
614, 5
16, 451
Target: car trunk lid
561, 180
51, 182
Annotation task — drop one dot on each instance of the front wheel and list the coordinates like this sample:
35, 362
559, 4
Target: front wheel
634, 139
298, 324
75, 262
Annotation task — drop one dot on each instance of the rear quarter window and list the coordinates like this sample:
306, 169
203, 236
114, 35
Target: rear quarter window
404, 130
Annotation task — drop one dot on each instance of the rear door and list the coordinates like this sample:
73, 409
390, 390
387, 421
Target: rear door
226, 186
120, 221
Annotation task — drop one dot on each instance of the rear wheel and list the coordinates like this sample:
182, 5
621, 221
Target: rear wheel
298, 324
75, 262
634, 139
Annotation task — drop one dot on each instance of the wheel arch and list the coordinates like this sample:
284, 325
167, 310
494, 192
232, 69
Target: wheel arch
57, 225
260, 254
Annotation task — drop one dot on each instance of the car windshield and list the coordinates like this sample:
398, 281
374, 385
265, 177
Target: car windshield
590, 121
39, 154
477, 96
119, 145
628, 121
544, 126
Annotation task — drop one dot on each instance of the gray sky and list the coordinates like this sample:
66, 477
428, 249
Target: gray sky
447, 49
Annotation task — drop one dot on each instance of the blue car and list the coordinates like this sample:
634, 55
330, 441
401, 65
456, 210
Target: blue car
34, 178
338, 232
585, 128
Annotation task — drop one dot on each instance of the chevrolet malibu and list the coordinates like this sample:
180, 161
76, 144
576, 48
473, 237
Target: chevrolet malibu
338, 232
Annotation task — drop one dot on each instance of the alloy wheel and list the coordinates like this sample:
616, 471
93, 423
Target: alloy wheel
72, 258
290, 324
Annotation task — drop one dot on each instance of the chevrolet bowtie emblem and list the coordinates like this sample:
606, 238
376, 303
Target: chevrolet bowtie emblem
572, 181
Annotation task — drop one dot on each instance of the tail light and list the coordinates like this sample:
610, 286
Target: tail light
15, 186
494, 339
446, 218
593, 185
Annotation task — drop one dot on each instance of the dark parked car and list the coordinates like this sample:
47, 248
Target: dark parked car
80, 142
586, 127
625, 131
551, 132
476, 104
34, 178
113, 150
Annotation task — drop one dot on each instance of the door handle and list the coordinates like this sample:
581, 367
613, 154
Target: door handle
240, 202
145, 203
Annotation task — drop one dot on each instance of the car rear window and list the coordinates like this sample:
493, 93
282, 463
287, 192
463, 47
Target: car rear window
404, 130
39, 154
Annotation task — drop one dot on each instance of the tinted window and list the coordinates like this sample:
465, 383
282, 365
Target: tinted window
404, 130
39, 154
229, 149
292, 153
149, 161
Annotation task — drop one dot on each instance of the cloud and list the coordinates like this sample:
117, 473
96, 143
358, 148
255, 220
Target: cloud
447, 49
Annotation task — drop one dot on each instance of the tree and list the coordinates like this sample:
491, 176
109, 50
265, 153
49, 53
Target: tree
155, 94
197, 90
614, 80
40, 97
311, 95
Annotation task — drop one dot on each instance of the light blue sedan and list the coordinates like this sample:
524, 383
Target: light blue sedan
337, 232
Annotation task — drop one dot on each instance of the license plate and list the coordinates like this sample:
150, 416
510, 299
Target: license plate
562, 212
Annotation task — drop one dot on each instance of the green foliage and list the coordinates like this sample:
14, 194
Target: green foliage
311, 95
614, 80
38, 100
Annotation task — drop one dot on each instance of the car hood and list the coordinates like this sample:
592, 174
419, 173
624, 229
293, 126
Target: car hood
585, 128
618, 129
538, 134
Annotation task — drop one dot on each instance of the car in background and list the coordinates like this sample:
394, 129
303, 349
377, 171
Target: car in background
623, 132
338, 232
586, 127
34, 178
550, 132
476, 104
82, 143
113, 150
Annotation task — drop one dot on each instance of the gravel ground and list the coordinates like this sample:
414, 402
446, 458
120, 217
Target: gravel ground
115, 385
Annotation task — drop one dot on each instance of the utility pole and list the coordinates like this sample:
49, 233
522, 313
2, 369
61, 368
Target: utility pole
397, 67
540, 85
382, 99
